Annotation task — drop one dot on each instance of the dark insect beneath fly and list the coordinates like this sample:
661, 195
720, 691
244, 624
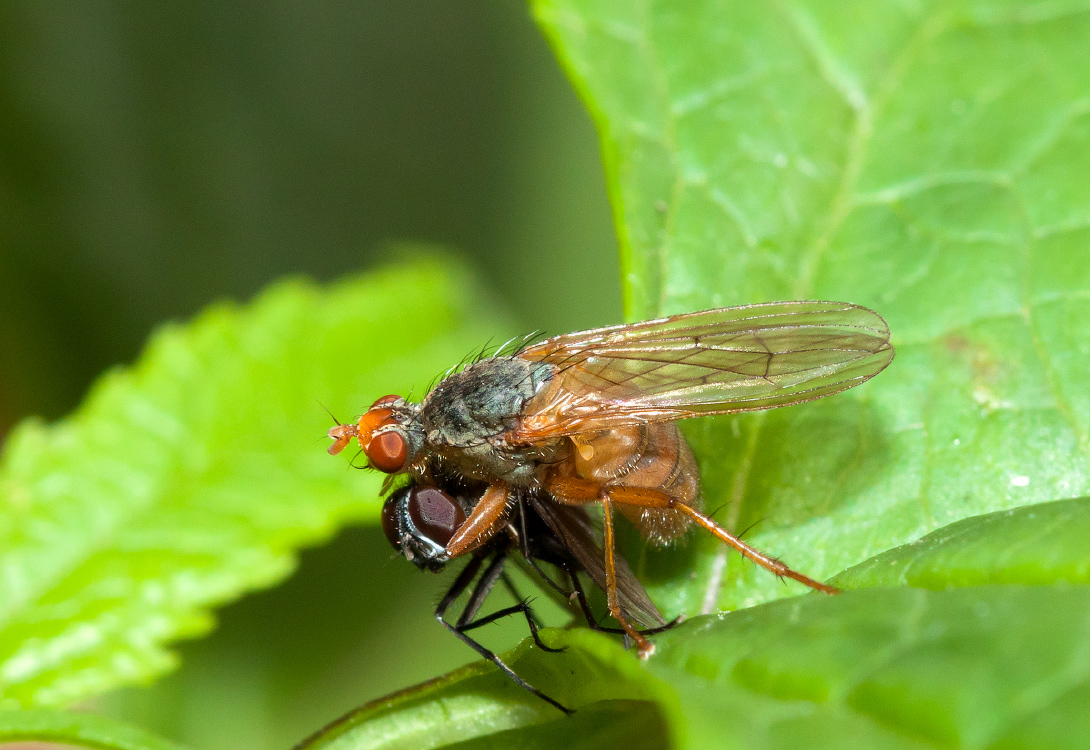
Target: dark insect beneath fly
419, 520
508, 452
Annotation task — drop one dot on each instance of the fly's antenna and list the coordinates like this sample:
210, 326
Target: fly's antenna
327, 411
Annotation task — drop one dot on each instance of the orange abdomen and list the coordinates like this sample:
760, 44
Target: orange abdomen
654, 456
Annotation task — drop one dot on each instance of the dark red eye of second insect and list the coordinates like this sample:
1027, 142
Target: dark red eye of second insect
435, 514
390, 526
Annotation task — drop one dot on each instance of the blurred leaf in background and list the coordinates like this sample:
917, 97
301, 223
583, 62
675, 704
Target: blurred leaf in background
155, 159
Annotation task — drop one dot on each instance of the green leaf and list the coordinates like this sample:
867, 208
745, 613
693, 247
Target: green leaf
83, 730
194, 476
477, 702
925, 159
990, 666
999, 666
1036, 544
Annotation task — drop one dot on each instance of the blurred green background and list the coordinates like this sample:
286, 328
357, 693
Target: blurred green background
155, 158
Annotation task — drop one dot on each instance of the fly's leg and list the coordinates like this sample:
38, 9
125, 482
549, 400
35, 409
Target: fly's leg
517, 596
528, 554
581, 597
642, 497
461, 583
488, 516
580, 492
577, 593
484, 586
571, 491
522, 607
646, 498
644, 647
529, 613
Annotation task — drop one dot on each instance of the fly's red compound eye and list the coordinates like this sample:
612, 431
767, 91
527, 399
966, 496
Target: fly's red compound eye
387, 452
385, 401
435, 514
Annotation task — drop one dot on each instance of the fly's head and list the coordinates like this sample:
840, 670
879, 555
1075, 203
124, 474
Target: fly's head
419, 520
389, 435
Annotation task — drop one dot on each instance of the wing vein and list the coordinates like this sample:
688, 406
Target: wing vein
712, 362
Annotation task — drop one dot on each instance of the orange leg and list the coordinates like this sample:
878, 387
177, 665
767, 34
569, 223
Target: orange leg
644, 647
570, 491
647, 498
487, 518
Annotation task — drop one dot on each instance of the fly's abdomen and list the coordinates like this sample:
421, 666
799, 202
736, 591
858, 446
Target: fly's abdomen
654, 456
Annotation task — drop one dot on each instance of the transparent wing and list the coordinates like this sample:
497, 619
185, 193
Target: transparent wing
574, 528
713, 362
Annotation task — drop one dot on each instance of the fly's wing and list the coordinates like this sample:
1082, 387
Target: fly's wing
575, 530
714, 362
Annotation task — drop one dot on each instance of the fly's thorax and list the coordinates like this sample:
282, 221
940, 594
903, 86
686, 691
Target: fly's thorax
466, 416
482, 401
497, 460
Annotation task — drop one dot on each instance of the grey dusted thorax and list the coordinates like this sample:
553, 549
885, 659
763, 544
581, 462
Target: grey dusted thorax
465, 416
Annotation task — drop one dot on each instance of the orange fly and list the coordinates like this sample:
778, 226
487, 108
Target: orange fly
587, 418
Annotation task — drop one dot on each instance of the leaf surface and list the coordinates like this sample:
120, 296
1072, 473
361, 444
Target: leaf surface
924, 159
1035, 544
910, 669
76, 730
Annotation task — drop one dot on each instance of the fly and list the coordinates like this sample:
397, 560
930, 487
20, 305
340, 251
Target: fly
590, 418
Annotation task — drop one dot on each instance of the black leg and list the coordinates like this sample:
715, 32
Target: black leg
469, 572
460, 584
484, 586
518, 597
522, 607
528, 554
577, 587
511, 589
592, 622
